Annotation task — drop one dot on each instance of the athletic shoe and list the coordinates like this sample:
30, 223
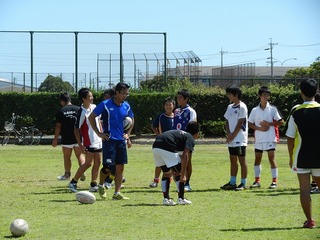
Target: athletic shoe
241, 187
187, 188
255, 185
315, 191
102, 192
153, 185
183, 201
94, 188
83, 177
123, 179
168, 202
229, 186
309, 224
119, 196
273, 185
73, 187
107, 185
64, 177
313, 185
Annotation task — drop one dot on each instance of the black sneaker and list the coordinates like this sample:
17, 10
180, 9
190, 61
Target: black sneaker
241, 187
229, 186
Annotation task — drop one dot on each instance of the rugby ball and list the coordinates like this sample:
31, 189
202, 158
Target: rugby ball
85, 197
127, 123
19, 227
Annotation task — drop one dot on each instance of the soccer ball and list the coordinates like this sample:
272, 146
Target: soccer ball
127, 123
19, 227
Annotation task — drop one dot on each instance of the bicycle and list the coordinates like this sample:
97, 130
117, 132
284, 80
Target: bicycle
26, 135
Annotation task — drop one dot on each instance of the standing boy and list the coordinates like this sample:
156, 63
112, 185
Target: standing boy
303, 145
115, 141
182, 116
236, 117
265, 120
65, 120
162, 123
166, 155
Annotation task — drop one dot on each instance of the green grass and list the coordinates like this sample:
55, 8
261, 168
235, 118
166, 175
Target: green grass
30, 190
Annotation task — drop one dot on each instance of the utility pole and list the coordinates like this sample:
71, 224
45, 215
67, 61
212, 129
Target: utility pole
221, 53
271, 44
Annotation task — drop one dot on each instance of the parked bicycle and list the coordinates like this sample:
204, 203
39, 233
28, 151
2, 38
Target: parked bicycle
25, 136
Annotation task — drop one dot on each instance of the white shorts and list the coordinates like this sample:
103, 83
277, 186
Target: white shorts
162, 157
70, 145
313, 171
265, 146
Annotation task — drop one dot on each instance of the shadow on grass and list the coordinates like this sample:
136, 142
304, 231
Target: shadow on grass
278, 192
258, 229
145, 205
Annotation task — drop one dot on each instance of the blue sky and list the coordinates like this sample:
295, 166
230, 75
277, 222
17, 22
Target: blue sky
241, 28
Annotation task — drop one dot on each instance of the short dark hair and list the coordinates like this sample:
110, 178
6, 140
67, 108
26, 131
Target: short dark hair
83, 93
193, 127
65, 97
309, 87
120, 86
109, 92
184, 92
234, 90
169, 99
263, 89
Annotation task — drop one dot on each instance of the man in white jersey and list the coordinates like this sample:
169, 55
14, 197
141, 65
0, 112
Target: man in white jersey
236, 117
265, 120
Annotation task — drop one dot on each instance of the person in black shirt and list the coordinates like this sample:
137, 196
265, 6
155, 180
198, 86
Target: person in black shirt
172, 150
65, 121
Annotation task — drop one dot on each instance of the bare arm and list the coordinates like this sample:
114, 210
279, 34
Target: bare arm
232, 135
290, 145
94, 126
57, 131
185, 158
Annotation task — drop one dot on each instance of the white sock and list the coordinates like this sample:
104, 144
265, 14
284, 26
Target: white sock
274, 172
257, 170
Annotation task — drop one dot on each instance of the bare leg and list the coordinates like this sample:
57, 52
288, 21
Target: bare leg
305, 198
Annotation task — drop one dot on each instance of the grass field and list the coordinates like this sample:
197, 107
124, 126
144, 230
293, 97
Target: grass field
30, 190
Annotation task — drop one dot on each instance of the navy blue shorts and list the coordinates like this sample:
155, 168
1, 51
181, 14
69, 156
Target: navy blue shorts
114, 152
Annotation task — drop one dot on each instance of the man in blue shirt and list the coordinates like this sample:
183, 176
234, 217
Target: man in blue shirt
113, 112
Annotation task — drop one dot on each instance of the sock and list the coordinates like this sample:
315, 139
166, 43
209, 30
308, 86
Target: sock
74, 181
93, 184
165, 185
233, 180
257, 172
187, 182
181, 190
244, 181
156, 180
274, 173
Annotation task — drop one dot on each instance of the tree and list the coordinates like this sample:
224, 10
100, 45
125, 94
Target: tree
55, 84
311, 72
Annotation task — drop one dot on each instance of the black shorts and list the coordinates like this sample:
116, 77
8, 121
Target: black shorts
93, 150
237, 151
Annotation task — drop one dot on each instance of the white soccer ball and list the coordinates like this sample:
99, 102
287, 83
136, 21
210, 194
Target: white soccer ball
127, 123
85, 197
19, 227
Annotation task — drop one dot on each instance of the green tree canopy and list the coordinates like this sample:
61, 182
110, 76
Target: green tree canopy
55, 84
313, 71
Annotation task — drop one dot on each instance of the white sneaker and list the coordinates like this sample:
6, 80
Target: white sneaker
153, 185
63, 178
183, 201
168, 202
187, 188
108, 185
94, 189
